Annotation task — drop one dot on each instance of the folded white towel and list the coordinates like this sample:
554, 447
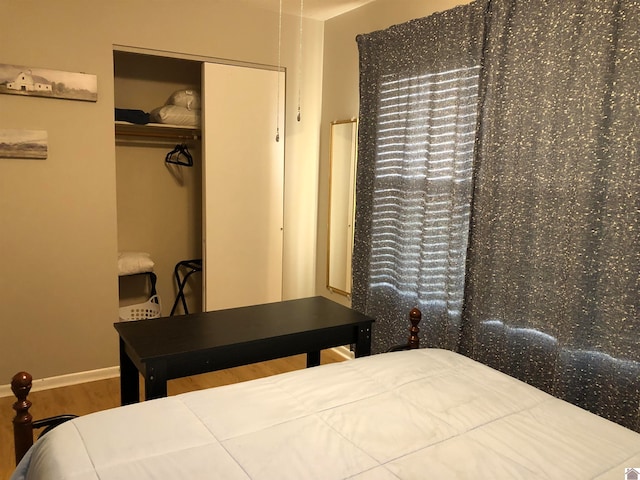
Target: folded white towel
130, 263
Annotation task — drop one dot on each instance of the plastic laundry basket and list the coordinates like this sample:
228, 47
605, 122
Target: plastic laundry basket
149, 309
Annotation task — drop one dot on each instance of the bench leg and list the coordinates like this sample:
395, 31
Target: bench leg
313, 359
129, 380
363, 343
155, 383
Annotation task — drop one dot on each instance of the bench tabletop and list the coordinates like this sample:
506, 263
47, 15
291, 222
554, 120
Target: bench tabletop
168, 336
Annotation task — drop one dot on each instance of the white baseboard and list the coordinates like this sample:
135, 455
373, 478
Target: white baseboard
65, 380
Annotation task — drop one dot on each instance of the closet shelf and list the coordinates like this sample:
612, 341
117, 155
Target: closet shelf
157, 130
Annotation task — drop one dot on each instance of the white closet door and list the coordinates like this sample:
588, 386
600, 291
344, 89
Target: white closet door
243, 188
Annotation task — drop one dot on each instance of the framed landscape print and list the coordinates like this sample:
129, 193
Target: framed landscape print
42, 82
23, 144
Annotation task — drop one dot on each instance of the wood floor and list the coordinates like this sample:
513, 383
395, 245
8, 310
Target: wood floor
91, 397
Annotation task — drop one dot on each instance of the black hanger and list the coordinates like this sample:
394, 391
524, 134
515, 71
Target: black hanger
174, 156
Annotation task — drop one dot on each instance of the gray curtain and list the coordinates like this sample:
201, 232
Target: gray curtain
552, 289
553, 260
418, 106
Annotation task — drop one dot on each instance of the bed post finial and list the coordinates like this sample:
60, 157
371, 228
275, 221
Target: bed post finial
22, 423
415, 316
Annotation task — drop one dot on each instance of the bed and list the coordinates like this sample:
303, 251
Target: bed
408, 414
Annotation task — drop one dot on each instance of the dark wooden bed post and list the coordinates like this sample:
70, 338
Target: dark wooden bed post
22, 423
415, 316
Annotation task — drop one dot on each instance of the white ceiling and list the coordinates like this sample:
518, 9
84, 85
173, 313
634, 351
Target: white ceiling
316, 9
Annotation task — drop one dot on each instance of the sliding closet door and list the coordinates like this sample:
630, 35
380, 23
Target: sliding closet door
243, 185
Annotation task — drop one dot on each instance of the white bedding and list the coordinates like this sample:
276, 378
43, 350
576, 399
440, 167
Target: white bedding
421, 414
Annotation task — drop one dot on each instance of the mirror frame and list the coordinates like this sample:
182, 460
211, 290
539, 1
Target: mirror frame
341, 152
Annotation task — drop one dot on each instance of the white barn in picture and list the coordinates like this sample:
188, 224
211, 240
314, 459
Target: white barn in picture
26, 82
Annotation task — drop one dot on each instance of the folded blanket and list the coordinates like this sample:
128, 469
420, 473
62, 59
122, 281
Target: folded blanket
132, 116
130, 263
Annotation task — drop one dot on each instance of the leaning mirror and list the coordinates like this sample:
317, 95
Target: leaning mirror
343, 150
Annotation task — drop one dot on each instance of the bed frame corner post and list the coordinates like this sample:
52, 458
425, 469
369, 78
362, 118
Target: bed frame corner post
23, 421
415, 316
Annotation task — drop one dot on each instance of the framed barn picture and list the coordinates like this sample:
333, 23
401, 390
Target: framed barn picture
42, 82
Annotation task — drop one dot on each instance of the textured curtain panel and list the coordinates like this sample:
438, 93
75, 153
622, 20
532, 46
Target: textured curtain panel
554, 257
418, 111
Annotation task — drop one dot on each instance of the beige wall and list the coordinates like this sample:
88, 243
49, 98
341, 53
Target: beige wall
58, 229
340, 87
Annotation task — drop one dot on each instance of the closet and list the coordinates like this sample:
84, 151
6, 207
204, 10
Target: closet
227, 208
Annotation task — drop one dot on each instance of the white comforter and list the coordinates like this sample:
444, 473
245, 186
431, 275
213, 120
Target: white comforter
422, 414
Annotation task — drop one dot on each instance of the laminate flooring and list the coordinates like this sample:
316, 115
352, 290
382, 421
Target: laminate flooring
85, 398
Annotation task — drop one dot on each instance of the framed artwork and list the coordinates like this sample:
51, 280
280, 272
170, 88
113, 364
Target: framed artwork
42, 82
23, 144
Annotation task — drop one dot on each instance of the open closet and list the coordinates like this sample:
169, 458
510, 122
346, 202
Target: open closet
208, 195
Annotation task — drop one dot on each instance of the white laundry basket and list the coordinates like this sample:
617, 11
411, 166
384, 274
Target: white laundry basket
152, 308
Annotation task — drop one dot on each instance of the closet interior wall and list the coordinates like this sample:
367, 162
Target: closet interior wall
159, 205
